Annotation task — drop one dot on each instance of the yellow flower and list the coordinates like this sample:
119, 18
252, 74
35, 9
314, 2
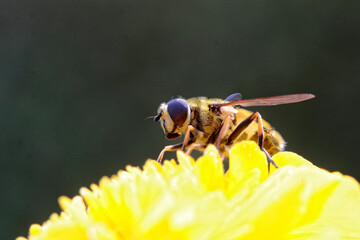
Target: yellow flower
196, 200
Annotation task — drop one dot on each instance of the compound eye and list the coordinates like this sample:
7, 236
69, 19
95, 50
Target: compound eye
178, 110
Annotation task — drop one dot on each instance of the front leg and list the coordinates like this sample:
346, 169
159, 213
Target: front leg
188, 141
169, 148
187, 137
195, 146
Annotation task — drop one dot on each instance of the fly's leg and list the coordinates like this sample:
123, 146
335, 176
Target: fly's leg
244, 124
224, 127
180, 146
169, 148
197, 146
187, 137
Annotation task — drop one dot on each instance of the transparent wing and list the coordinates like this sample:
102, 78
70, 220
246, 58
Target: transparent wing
233, 97
268, 101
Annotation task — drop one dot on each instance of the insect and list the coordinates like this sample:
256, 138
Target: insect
205, 121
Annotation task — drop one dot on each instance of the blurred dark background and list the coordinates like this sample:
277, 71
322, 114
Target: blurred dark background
77, 79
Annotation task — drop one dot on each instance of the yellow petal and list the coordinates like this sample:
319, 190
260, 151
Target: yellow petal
196, 200
244, 158
209, 168
334, 205
288, 158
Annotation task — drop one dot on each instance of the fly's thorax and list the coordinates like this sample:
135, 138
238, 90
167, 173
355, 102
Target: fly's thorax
174, 117
206, 120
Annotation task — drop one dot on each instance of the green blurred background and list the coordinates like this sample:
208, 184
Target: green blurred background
77, 79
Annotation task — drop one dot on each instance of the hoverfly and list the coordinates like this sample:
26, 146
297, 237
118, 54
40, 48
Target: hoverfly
205, 121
